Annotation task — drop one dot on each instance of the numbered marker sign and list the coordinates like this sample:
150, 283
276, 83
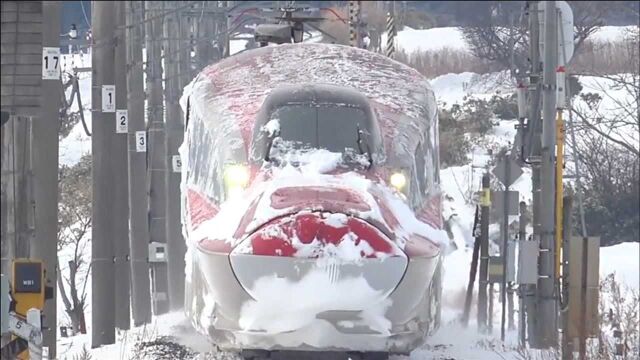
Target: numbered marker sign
141, 141
108, 98
50, 63
177, 163
122, 121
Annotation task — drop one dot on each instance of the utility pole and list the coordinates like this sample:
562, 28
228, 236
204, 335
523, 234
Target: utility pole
45, 169
547, 307
504, 233
157, 164
17, 206
355, 38
121, 189
103, 217
174, 130
530, 292
205, 29
567, 234
484, 253
522, 235
137, 161
473, 270
391, 32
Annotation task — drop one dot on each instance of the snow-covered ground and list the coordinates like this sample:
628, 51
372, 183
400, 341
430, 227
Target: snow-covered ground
412, 40
451, 341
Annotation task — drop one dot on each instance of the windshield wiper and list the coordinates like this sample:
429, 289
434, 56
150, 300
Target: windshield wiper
269, 144
359, 139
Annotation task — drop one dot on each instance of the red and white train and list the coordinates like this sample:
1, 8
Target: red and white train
311, 203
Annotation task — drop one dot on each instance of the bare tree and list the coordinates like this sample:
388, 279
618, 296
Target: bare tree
612, 111
502, 35
74, 226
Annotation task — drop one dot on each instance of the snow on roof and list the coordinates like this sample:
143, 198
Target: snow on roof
227, 95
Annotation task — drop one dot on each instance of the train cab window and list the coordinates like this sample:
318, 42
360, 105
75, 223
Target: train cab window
323, 126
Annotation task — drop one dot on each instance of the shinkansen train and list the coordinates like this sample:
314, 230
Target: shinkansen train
311, 204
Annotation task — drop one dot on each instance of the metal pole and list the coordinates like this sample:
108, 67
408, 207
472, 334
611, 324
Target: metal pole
45, 170
174, 134
472, 271
490, 317
504, 232
157, 186
567, 343
522, 236
18, 189
391, 33
137, 162
103, 217
548, 329
484, 253
120, 179
354, 23
533, 129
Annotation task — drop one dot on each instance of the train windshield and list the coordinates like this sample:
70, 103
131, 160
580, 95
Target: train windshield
333, 127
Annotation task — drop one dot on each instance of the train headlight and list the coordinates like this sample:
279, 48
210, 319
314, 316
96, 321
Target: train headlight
236, 178
398, 181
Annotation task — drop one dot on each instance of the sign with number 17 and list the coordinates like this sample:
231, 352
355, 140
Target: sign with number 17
50, 63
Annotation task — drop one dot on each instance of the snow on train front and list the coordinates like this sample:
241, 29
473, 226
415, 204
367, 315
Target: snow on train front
310, 209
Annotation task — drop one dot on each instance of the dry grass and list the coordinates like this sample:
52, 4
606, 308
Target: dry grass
603, 58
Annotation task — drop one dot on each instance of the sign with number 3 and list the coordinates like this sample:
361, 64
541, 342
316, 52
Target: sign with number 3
141, 141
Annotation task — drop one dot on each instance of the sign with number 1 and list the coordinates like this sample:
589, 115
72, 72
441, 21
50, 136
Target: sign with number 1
108, 98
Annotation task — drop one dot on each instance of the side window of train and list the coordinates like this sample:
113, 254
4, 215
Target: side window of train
421, 168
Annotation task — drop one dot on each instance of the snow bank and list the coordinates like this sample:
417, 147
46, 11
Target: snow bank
434, 39
624, 260
611, 33
313, 294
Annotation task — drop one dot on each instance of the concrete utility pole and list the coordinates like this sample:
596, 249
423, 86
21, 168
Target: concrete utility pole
174, 129
103, 19
567, 342
138, 200
45, 166
522, 234
121, 194
484, 253
205, 28
355, 38
17, 191
532, 146
504, 234
547, 325
184, 55
157, 164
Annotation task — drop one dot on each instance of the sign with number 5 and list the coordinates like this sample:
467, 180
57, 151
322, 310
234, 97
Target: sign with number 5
176, 161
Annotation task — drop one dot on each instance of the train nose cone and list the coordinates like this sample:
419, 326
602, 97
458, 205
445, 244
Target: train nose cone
317, 268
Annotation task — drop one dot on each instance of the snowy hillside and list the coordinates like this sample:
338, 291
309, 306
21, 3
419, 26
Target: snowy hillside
451, 341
